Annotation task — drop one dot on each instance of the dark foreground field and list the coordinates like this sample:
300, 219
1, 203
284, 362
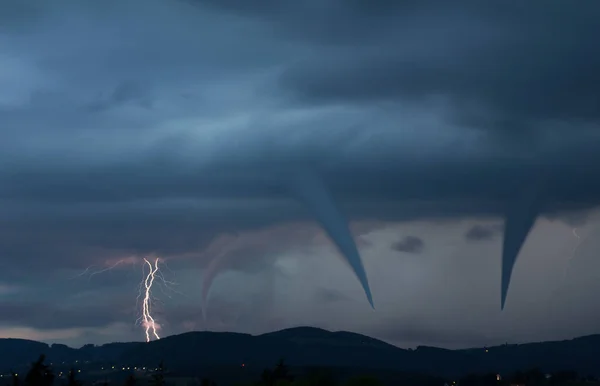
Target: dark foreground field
311, 355
41, 373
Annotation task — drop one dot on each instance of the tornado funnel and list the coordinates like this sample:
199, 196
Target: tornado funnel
518, 222
309, 189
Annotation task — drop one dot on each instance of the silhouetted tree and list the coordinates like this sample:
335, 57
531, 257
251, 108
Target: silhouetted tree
279, 374
39, 374
72, 380
158, 378
282, 372
131, 381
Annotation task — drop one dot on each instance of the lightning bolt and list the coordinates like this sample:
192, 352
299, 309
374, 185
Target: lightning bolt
93, 273
148, 323
150, 279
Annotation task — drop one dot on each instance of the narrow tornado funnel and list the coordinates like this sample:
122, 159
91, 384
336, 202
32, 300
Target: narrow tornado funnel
311, 190
208, 277
518, 222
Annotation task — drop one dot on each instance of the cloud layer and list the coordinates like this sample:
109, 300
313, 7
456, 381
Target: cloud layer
165, 127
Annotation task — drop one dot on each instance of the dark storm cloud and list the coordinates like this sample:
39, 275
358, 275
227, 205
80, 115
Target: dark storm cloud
48, 317
15, 13
409, 244
503, 65
159, 126
125, 92
482, 232
333, 22
111, 180
488, 177
77, 246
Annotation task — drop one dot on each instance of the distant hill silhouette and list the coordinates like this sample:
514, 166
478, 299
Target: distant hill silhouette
313, 347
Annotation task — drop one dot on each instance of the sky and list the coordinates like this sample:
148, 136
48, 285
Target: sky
177, 129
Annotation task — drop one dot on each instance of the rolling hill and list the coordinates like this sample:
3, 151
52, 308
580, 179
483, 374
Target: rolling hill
309, 347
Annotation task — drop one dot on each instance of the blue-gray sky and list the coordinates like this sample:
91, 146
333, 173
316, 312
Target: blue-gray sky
168, 128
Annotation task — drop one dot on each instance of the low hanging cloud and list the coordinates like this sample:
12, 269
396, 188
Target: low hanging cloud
410, 244
45, 316
328, 295
482, 232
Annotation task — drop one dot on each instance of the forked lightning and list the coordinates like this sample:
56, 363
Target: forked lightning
148, 322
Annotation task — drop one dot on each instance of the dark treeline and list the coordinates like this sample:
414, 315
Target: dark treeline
41, 374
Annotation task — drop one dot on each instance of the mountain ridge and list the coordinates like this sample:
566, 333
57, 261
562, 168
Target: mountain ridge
311, 347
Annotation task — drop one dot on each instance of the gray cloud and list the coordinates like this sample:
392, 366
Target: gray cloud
411, 334
46, 317
482, 232
328, 295
508, 75
409, 244
124, 93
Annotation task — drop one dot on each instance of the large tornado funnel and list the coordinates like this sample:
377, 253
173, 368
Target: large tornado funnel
311, 190
519, 220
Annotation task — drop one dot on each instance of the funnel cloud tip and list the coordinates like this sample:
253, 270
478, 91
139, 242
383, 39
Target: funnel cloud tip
517, 224
313, 193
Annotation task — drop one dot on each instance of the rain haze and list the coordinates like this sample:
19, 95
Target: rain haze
223, 137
